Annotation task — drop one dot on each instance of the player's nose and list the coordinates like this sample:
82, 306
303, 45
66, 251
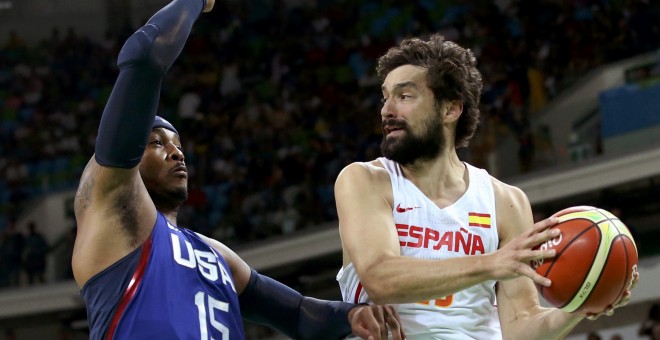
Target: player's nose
387, 111
176, 154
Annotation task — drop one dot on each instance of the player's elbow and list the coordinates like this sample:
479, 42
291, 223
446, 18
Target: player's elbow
381, 290
138, 49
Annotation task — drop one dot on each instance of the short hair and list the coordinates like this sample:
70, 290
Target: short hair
452, 75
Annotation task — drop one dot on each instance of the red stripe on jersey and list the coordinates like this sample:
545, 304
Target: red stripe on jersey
478, 215
358, 291
132, 287
481, 225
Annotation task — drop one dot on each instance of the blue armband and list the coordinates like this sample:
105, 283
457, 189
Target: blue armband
268, 302
143, 60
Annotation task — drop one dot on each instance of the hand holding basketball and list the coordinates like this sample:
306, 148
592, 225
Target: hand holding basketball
596, 262
514, 257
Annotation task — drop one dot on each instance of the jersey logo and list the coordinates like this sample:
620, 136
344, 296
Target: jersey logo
456, 241
206, 262
402, 210
479, 220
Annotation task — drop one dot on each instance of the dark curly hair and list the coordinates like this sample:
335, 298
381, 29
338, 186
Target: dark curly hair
452, 75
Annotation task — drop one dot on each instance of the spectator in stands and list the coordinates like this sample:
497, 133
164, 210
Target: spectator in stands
650, 327
34, 255
593, 336
10, 334
62, 250
13, 249
70, 79
4, 269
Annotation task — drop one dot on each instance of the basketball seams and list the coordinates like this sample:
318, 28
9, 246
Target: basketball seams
566, 247
623, 233
629, 268
594, 272
593, 259
594, 216
607, 260
590, 224
623, 229
627, 261
596, 269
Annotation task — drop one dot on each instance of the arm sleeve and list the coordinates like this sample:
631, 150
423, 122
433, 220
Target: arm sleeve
143, 61
268, 302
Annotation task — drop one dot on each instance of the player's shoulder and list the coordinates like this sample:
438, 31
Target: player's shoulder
363, 171
513, 209
507, 192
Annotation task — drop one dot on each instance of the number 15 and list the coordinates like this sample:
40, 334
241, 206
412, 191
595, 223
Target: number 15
212, 306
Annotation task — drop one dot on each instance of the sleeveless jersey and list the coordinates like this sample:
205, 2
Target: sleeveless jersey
466, 227
174, 286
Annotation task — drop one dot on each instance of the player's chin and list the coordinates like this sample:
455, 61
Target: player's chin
178, 181
180, 176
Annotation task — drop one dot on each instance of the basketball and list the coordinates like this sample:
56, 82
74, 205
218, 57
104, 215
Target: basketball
594, 264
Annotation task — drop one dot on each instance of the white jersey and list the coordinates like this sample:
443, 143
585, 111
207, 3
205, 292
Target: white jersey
466, 227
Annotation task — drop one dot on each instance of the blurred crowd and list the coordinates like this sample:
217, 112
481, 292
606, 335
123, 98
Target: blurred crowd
272, 101
23, 257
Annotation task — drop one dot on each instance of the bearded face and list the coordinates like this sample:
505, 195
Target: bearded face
405, 144
163, 170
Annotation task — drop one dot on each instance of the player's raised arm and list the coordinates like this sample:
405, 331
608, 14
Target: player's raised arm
114, 212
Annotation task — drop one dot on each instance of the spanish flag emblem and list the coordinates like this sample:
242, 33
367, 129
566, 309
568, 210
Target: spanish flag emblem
479, 220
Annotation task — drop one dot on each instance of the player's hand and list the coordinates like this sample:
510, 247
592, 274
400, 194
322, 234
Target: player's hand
208, 6
372, 322
622, 302
513, 259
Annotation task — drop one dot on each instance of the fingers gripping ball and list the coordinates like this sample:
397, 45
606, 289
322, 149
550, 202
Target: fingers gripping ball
595, 262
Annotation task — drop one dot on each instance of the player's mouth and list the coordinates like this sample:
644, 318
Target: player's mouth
390, 130
179, 170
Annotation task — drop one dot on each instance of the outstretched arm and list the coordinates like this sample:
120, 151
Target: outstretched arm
272, 303
114, 212
143, 61
269, 302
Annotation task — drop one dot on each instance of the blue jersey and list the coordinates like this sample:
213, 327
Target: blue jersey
174, 286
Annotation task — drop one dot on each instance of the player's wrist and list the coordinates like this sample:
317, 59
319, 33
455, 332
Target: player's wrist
355, 309
487, 266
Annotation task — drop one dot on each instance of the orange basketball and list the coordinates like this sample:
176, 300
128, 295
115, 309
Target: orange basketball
595, 261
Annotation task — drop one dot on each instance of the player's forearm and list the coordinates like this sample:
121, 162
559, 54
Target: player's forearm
547, 323
406, 280
266, 301
142, 62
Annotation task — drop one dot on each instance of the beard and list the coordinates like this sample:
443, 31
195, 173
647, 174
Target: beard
411, 147
168, 200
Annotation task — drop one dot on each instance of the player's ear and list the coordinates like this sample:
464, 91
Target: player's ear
454, 109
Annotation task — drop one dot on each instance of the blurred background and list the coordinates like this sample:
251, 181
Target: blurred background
273, 97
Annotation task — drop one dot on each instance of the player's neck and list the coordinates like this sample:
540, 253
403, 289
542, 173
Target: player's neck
439, 177
170, 216
440, 168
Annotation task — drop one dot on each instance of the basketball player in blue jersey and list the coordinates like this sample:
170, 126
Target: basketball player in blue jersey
143, 277
448, 244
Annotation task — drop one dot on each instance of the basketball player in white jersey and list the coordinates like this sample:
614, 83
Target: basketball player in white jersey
444, 240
